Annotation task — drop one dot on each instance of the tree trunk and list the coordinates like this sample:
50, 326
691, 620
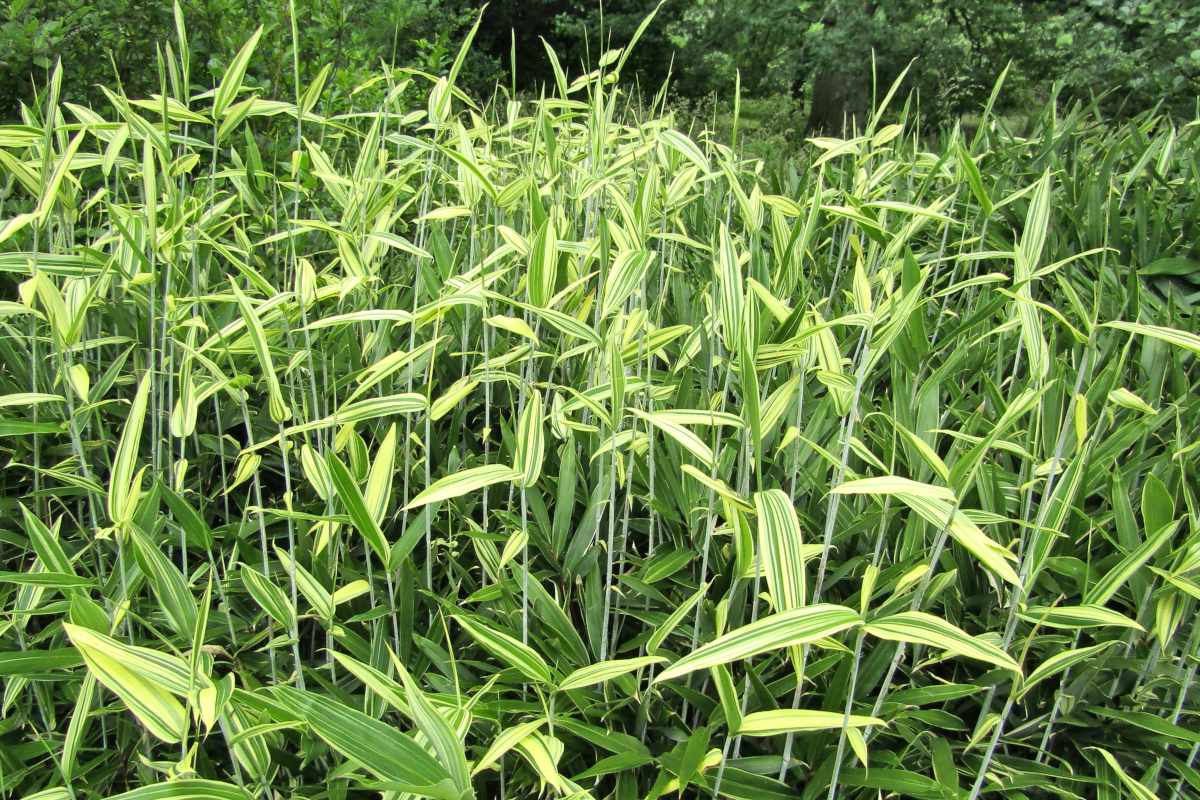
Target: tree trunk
841, 101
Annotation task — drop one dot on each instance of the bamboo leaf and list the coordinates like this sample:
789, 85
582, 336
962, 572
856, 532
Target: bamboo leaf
771, 723
606, 671
464, 482
122, 491
356, 507
1059, 662
373, 745
785, 629
153, 705
779, 543
918, 627
504, 647
231, 83
530, 442
185, 789
445, 742
280, 412
269, 596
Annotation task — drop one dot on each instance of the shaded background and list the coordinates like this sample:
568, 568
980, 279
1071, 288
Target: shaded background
808, 62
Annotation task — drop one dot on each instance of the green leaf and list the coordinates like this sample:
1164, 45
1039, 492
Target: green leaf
45, 544
446, 744
1175, 266
373, 408
280, 412
1115, 578
58, 580
686, 148
1134, 787
383, 686
197, 531
1085, 616
373, 745
974, 178
314, 592
896, 486
1058, 663
78, 726
543, 264
379, 479
168, 583
682, 436
356, 507
513, 325
718, 486
1028, 256
727, 693
693, 754
939, 512
664, 630
33, 662
1148, 722
24, 399
731, 293
624, 276
895, 782
506, 740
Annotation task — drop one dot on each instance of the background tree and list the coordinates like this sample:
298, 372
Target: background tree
817, 58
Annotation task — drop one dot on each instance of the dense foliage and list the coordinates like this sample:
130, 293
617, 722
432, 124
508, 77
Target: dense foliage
453, 450
819, 57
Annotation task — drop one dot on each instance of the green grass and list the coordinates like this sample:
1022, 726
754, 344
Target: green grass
508, 449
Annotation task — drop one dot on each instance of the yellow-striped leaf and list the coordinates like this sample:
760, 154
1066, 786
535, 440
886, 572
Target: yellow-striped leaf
530, 442
153, 705
783, 720
918, 627
122, 493
785, 629
464, 482
779, 543
520, 656
605, 671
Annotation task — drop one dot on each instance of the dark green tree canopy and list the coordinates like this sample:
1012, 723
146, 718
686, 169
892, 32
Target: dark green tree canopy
820, 54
